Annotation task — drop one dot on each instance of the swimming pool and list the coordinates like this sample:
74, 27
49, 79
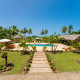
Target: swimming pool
41, 45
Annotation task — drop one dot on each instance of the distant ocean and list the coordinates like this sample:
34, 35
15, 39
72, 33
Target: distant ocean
38, 36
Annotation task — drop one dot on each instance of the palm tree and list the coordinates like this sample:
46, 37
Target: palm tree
52, 40
24, 45
64, 29
45, 32
78, 31
29, 31
14, 30
69, 29
42, 32
24, 31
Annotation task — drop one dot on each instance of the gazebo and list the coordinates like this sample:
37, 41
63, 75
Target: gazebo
17, 38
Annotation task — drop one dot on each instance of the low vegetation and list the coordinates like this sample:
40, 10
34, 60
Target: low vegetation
34, 48
15, 58
66, 62
29, 63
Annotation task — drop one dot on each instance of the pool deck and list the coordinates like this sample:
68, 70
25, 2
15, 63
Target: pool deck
39, 48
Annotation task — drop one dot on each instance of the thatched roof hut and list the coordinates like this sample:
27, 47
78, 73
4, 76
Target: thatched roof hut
71, 37
17, 37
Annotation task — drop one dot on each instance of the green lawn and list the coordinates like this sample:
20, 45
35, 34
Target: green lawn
15, 58
66, 62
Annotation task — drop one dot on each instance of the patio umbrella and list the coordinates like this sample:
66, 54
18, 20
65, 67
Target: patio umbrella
5, 40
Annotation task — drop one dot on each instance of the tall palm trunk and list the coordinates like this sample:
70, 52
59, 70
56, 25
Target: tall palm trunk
52, 47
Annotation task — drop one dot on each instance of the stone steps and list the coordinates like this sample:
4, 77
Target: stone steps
39, 59
40, 63
40, 66
36, 70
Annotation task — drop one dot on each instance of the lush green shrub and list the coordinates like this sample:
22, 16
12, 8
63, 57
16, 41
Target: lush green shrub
47, 57
34, 48
51, 66
50, 63
4, 67
29, 65
1, 45
27, 68
1, 65
0, 68
60, 52
30, 61
32, 55
49, 60
24, 45
24, 52
44, 48
30, 58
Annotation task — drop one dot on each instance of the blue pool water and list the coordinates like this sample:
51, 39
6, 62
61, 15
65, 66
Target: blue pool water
42, 45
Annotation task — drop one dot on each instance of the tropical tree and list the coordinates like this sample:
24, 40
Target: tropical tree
70, 28
24, 45
2, 33
29, 31
4, 55
79, 31
22, 31
64, 29
29, 39
25, 31
73, 32
9, 32
14, 30
34, 48
42, 32
52, 40
45, 32
45, 39
76, 46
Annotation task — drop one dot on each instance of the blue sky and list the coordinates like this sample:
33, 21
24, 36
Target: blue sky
40, 14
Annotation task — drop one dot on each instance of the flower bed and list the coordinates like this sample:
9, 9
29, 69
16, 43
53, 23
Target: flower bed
9, 67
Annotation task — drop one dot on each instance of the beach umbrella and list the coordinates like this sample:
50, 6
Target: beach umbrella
5, 40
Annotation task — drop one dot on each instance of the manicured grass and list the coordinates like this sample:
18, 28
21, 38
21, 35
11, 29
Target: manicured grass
17, 59
67, 61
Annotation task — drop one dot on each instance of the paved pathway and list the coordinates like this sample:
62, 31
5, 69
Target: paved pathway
40, 63
40, 76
